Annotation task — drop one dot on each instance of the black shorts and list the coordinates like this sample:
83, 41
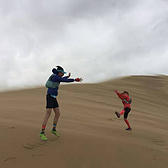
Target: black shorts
51, 102
127, 110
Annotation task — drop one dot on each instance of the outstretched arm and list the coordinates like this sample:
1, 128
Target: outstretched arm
120, 95
56, 78
65, 79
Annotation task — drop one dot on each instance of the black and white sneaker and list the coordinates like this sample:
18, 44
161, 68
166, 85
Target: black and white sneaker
117, 114
129, 129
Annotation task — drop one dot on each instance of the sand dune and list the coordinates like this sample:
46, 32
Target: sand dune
90, 134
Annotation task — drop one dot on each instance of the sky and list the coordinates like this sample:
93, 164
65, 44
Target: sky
97, 40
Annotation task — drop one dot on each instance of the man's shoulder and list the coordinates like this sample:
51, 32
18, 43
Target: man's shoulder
55, 76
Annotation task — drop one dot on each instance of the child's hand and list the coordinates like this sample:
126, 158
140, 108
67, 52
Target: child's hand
115, 91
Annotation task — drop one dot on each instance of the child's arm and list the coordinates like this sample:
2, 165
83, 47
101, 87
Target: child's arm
120, 95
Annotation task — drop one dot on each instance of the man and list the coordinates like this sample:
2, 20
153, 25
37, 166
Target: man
51, 99
126, 100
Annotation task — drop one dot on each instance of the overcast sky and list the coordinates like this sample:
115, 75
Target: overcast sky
94, 39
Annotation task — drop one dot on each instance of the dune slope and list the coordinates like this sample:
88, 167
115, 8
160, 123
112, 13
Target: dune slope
90, 134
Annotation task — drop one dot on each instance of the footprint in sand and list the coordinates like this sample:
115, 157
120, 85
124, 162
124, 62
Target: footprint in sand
166, 148
110, 119
10, 158
32, 146
39, 155
113, 119
159, 142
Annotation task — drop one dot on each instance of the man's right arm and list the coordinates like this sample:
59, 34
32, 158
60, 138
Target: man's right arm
59, 79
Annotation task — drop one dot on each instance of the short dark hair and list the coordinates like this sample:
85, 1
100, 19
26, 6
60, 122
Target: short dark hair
126, 92
60, 68
55, 71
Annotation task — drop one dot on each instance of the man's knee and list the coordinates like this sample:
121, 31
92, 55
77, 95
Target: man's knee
57, 114
57, 111
48, 111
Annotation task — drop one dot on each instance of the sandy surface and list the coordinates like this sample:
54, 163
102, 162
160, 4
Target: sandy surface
90, 134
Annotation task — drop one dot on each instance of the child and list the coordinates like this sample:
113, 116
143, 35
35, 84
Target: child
126, 100
51, 99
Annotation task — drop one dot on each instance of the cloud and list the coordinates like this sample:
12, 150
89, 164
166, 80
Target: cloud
98, 40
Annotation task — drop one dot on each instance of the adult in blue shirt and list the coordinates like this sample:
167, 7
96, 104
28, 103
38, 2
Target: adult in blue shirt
51, 100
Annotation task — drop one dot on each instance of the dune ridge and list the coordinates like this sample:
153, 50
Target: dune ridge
90, 134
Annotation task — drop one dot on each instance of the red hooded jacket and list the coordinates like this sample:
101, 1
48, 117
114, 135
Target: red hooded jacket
125, 99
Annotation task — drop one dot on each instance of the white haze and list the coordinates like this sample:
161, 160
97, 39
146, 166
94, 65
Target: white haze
97, 40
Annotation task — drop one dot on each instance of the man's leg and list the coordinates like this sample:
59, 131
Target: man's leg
47, 115
57, 115
56, 118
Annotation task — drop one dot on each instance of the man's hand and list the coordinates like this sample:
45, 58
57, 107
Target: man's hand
69, 75
78, 79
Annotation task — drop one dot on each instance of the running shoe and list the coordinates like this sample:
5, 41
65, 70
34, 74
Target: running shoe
55, 132
43, 137
129, 129
117, 114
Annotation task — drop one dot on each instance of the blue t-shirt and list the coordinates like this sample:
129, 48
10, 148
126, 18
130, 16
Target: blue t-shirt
56, 78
